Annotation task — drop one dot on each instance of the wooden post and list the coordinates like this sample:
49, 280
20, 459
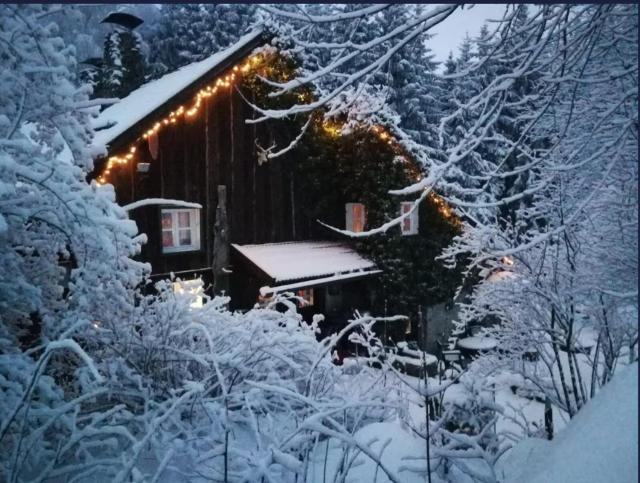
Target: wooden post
221, 244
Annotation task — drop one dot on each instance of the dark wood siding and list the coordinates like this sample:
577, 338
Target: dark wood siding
195, 156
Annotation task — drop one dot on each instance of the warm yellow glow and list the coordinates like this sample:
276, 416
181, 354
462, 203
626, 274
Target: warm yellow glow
172, 118
507, 261
332, 128
194, 289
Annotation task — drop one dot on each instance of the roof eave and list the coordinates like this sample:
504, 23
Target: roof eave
134, 131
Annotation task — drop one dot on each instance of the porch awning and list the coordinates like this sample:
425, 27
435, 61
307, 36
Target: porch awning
295, 265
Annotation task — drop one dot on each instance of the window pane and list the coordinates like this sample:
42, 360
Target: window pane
183, 219
358, 217
185, 237
410, 224
166, 220
167, 239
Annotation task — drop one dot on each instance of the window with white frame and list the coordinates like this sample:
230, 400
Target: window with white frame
409, 225
180, 229
356, 217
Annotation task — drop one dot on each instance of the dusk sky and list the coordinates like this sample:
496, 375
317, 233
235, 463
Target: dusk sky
449, 34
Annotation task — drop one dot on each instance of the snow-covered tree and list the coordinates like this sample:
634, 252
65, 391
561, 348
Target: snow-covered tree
123, 66
540, 144
111, 379
53, 223
65, 244
188, 33
581, 279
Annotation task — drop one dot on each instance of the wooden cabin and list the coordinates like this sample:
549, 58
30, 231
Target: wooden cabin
189, 167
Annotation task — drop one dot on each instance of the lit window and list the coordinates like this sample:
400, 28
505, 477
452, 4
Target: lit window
409, 225
194, 289
180, 230
355, 217
306, 296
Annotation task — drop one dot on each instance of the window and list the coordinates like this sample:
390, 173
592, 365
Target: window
355, 217
306, 294
409, 225
192, 289
180, 230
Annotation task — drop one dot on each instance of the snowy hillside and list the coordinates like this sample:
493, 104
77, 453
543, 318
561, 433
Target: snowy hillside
600, 444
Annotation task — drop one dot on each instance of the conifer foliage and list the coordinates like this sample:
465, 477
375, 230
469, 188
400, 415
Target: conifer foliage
123, 68
188, 33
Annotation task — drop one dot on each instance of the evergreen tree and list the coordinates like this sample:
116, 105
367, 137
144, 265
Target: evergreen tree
124, 67
416, 92
188, 33
509, 124
462, 181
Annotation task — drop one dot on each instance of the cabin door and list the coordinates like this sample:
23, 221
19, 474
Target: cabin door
333, 298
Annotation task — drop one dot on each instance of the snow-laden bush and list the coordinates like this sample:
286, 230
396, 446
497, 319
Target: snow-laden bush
180, 391
99, 380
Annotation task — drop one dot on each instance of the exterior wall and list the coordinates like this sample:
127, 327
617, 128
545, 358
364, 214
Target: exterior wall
264, 202
194, 157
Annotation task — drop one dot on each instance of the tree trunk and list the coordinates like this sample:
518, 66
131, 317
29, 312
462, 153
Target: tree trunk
221, 244
548, 418
556, 352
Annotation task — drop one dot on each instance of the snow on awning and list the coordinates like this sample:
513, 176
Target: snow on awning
325, 262
314, 282
121, 116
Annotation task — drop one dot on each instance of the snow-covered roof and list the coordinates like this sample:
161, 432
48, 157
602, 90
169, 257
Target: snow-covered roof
119, 117
302, 260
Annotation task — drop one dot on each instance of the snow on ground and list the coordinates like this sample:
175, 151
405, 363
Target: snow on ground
392, 440
599, 445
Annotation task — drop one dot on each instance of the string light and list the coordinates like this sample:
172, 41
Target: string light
333, 128
181, 112
507, 261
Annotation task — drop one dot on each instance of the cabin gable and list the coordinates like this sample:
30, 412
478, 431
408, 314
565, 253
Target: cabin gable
190, 156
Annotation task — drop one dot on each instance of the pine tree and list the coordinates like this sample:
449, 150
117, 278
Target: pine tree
462, 181
509, 124
188, 33
124, 67
416, 93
